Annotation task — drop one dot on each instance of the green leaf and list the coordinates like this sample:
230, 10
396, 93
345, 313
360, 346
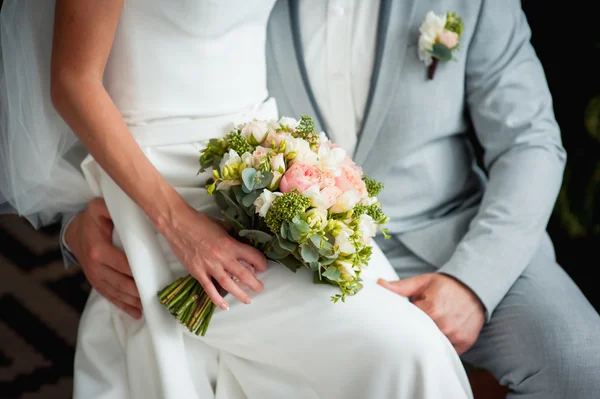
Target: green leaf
238, 193
248, 176
230, 202
287, 245
314, 266
275, 255
265, 180
255, 235
291, 263
441, 52
233, 222
328, 261
295, 234
309, 253
317, 240
285, 229
249, 199
332, 273
327, 250
302, 226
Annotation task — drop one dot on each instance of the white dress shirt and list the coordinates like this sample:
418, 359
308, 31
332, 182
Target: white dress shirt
339, 41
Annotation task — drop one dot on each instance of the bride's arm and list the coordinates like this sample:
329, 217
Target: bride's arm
84, 31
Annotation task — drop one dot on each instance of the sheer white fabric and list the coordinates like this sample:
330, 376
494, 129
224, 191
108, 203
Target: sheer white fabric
37, 177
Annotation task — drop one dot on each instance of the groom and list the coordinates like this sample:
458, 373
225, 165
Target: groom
469, 243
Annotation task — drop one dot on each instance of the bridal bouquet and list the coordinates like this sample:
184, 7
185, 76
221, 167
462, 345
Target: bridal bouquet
295, 196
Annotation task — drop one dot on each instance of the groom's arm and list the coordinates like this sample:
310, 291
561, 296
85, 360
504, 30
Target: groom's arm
511, 109
86, 241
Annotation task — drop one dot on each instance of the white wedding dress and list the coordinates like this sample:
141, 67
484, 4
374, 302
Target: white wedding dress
182, 72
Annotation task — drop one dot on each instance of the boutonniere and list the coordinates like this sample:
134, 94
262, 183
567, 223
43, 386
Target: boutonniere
440, 36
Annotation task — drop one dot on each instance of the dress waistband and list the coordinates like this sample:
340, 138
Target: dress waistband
189, 130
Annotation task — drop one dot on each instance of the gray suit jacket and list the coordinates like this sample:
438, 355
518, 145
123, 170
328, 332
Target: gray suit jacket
481, 228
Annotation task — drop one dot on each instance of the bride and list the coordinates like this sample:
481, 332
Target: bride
142, 84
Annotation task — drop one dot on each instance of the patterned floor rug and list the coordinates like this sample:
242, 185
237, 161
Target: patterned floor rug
40, 305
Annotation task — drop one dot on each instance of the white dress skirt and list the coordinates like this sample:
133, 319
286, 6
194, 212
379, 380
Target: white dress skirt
291, 342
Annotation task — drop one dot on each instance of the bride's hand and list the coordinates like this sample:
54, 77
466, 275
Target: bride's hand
207, 251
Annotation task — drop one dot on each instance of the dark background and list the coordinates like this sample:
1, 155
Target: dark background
40, 302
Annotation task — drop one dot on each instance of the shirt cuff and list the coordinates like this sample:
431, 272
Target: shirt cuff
69, 258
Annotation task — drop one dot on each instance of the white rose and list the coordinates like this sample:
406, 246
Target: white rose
264, 201
255, 131
229, 159
330, 159
278, 163
259, 155
430, 29
367, 228
345, 268
302, 150
346, 201
342, 241
247, 159
289, 122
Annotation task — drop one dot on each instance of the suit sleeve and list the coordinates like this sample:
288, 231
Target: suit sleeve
511, 109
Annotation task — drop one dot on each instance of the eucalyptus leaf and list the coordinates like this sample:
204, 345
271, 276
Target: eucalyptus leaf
266, 179
230, 201
326, 251
248, 176
309, 253
314, 266
284, 229
295, 234
233, 222
317, 240
332, 273
327, 261
239, 193
249, 199
302, 226
291, 263
255, 235
287, 245
274, 255
441, 52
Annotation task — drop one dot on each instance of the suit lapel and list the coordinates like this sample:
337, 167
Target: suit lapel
287, 51
394, 34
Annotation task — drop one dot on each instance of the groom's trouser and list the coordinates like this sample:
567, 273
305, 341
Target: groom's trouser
543, 340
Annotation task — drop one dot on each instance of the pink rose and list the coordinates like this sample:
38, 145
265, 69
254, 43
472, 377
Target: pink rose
448, 38
351, 178
301, 176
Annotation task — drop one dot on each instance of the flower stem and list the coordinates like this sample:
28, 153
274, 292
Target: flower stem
166, 291
432, 68
175, 291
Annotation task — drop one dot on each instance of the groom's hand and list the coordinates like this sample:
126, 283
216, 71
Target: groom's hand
89, 237
456, 310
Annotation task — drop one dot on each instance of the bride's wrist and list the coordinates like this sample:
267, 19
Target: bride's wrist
168, 216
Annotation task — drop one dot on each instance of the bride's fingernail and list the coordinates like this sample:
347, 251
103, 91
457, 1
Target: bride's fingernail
248, 301
224, 306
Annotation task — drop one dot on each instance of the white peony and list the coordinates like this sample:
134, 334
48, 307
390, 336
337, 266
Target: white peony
367, 228
430, 29
264, 201
346, 201
342, 241
255, 131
